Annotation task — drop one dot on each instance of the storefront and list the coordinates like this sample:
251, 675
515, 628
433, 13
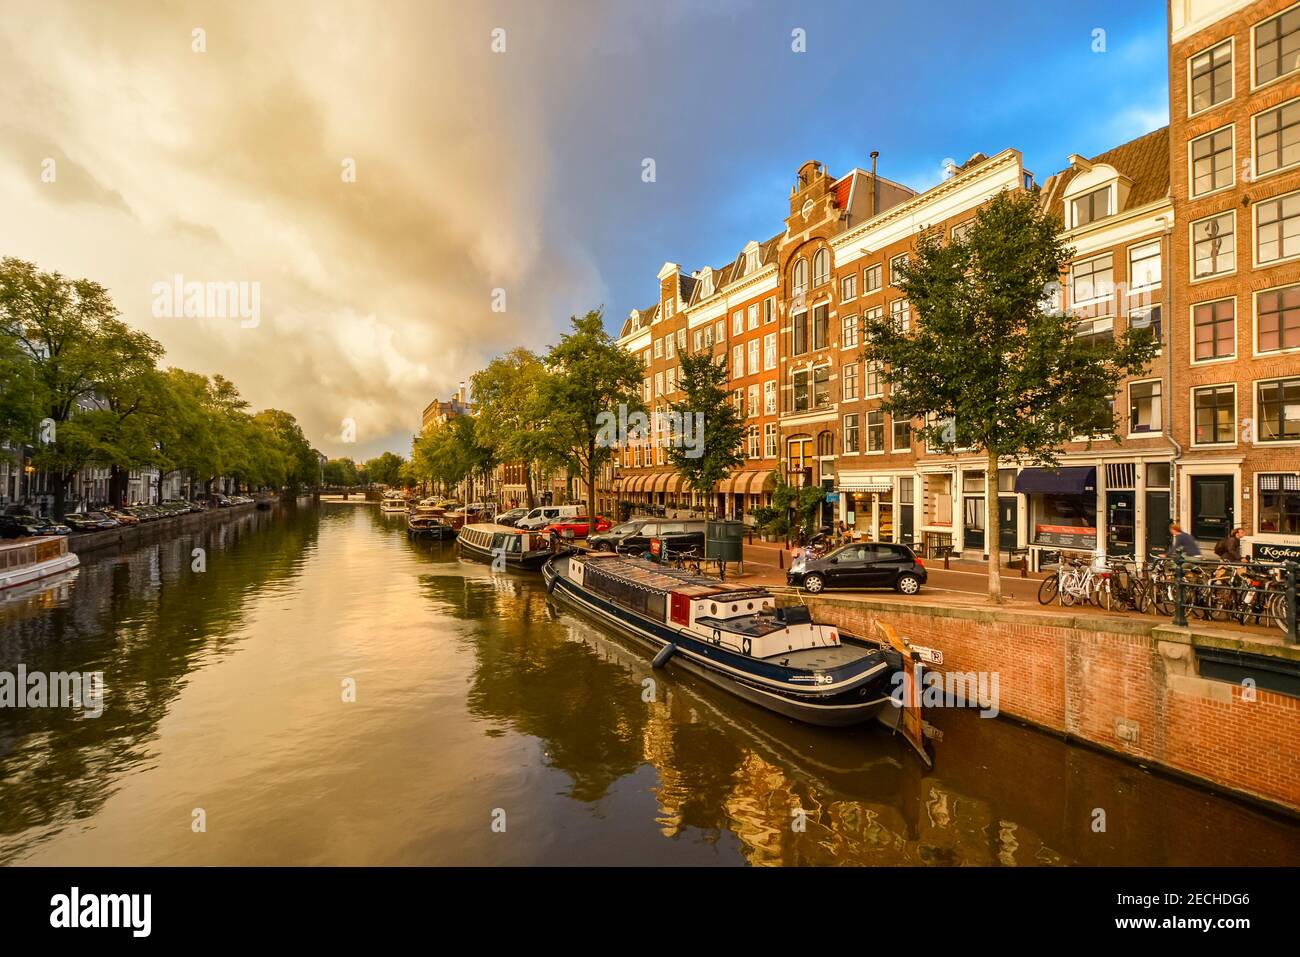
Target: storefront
1277, 521
867, 504
1062, 510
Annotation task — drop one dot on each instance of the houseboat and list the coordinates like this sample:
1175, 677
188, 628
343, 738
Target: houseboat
392, 502
425, 521
735, 637
29, 559
520, 548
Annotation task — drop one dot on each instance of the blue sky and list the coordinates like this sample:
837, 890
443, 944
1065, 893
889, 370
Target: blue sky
729, 112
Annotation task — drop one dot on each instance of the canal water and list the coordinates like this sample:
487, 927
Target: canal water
489, 728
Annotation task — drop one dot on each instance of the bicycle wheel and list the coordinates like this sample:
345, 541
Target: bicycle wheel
1101, 593
1047, 591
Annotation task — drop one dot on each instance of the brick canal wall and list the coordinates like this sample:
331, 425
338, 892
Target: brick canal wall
1131, 686
128, 536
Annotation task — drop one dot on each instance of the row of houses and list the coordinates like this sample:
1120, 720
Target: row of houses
1192, 229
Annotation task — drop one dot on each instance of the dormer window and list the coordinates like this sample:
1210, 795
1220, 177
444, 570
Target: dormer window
751, 260
1092, 206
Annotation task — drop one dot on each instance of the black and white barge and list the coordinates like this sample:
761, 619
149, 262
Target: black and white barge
736, 638
513, 548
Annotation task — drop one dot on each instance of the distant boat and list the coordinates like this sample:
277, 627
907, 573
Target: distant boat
393, 502
424, 521
734, 636
31, 559
518, 548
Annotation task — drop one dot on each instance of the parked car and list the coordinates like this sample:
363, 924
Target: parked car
48, 526
686, 535
121, 516
11, 526
511, 517
90, 522
546, 514
579, 527
860, 565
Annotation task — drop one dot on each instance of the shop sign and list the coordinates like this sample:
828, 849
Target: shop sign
1274, 552
1066, 536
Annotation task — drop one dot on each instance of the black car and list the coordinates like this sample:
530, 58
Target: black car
634, 538
511, 517
860, 565
12, 526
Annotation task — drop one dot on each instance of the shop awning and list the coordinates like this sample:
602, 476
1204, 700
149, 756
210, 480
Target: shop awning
661, 481
634, 483
1071, 480
745, 482
864, 482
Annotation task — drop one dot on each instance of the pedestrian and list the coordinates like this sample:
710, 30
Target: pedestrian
1229, 547
1183, 542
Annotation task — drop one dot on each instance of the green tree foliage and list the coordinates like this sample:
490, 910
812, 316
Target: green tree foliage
385, 469
342, 472
986, 365
510, 414
590, 376
706, 403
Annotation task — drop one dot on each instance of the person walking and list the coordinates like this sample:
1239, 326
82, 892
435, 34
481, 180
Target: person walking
1229, 547
1183, 542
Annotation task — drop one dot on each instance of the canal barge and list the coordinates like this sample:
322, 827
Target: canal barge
519, 548
735, 637
30, 559
392, 502
424, 521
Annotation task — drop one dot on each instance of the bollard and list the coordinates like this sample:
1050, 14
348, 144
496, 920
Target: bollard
946, 556
1180, 612
1024, 566
780, 558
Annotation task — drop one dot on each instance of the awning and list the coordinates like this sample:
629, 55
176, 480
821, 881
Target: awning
759, 480
864, 482
661, 481
634, 483
1071, 480
676, 483
745, 482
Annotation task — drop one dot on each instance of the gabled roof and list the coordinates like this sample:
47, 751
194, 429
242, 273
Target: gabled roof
1145, 161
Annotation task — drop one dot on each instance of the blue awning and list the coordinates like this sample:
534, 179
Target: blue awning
1071, 480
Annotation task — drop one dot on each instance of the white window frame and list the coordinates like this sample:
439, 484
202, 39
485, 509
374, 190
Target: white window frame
866, 432
1232, 166
849, 376
1158, 429
1191, 414
1254, 46
1191, 331
849, 332
1232, 74
1254, 232
1159, 257
1074, 267
856, 432
1258, 420
1256, 175
1191, 245
1254, 324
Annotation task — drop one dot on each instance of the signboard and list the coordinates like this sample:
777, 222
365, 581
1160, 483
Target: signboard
832, 497
1066, 536
1274, 552
933, 655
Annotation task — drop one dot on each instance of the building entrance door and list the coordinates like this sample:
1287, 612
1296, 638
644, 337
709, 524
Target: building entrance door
1212, 506
1008, 524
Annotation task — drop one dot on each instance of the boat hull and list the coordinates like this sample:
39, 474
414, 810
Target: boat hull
859, 702
30, 573
528, 561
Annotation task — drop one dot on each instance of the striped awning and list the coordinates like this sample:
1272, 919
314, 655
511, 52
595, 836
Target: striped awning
864, 482
746, 482
660, 482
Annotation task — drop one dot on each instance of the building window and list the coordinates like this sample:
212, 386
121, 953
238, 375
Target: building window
769, 351
875, 384
962, 230
851, 434
751, 316
849, 373
1277, 228
799, 322
646, 357
1144, 265
821, 267
1277, 319
753, 347
1211, 77
876, 431
902, 435
769, 440
1093, 280
1144, 406
901, 314
659, 383
1148, 318
1092, 206
720, 331
849, 287
872, 315
1214, 411
708, 338
647, 395
753, 441
737, 362
669, 343
871, 279
659, 348
738, 322
769, 311
1214, 245
1214, 330
681, 340
668, 308
769, 397
1277, 42
1096, 331
895, 269
1279, 504
1211, 161
821, 326
849, 332
1277, 138
812, 389
670, 381
1279, 410
799, 277
752, 408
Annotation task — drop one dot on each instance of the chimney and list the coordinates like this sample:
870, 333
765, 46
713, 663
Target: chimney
875, 187
949, 168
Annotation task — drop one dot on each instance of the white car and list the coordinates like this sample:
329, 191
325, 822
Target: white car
547, 514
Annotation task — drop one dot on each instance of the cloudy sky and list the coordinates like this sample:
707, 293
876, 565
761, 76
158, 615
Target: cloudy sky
222, 156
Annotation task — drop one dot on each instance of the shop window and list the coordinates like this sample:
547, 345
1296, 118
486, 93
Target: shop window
1279, 504
1066, 521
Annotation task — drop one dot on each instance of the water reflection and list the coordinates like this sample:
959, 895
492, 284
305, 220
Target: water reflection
475, 693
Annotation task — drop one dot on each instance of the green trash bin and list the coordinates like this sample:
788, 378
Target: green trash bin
723, 541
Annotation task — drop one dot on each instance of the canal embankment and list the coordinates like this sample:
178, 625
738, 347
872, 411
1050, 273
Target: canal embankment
128, 536
1218, 707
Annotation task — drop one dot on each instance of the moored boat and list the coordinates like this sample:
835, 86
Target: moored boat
28, 560
735, 637
517, 547
393, 502
424, 521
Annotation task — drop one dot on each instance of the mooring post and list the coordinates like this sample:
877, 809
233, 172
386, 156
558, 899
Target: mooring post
1180, 611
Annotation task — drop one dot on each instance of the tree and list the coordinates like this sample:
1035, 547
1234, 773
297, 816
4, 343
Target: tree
707, 413
510, 414
591, 377
341, 473
987, 365
385, 469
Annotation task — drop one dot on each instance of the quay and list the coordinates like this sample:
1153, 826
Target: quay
128, 536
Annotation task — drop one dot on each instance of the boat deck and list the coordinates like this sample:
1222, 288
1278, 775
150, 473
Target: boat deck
664, 578
832, 656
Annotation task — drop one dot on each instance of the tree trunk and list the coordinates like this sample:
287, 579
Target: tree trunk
993, 528
528, 485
